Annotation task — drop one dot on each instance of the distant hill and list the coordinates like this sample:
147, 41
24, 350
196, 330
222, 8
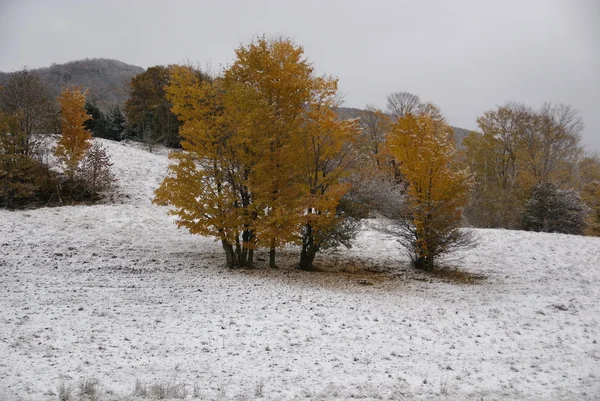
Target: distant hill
350, 112
105, 78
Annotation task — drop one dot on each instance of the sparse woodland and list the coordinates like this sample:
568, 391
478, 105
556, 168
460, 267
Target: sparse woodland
266, 158
46, 155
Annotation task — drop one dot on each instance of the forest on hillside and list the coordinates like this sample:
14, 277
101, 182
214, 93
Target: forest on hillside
107, 80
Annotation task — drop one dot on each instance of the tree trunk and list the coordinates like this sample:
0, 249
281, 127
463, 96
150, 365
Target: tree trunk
238, 248
424, 263
250, 259
247, 258
309, 250
272, 263
229, 253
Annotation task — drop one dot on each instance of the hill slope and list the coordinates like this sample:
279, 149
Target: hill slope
106, 79
117, 293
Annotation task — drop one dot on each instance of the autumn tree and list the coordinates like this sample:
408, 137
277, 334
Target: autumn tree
436, 190
551, 144
588, 185
592, 198
207, 183
75, 139
94, 171
273, 77
328, 154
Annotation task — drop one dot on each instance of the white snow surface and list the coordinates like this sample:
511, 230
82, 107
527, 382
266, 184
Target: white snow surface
118, 293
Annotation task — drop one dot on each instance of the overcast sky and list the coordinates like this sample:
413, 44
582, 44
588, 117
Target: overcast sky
464, 56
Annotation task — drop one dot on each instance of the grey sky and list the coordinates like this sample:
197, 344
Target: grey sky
464, 56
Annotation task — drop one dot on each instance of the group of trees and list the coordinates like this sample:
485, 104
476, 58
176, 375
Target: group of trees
107, 80
30, 121
265, 155
528, 166
148, 110
268, 162
109, 125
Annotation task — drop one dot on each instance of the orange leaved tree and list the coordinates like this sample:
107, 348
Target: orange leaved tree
75, 140
328, 149
436, 191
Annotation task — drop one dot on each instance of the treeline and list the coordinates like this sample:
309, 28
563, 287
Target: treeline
268, 162
531, 171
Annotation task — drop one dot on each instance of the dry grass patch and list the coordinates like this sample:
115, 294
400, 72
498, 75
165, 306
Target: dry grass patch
457, 276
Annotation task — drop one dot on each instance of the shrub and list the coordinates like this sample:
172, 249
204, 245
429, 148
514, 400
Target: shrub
553, 210
94, 173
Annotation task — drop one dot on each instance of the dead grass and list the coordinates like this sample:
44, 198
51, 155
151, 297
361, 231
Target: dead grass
88, 390
161, 390
456, 276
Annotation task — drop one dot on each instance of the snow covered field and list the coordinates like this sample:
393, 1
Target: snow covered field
117, 293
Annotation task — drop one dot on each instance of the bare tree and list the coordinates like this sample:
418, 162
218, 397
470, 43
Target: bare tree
25, 95
400, 104
374, 124
94, 172
555, 144
519, 148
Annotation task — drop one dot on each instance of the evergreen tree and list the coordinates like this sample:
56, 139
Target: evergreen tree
116, 124
16, 179
98, 124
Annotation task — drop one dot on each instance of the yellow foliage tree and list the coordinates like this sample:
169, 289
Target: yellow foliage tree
277, 82
436, 190
75, 139
328, 152
206, 183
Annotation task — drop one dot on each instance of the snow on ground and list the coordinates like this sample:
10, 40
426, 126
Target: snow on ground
117, 293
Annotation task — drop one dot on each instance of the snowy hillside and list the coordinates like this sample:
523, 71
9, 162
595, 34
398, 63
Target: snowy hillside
117, 293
